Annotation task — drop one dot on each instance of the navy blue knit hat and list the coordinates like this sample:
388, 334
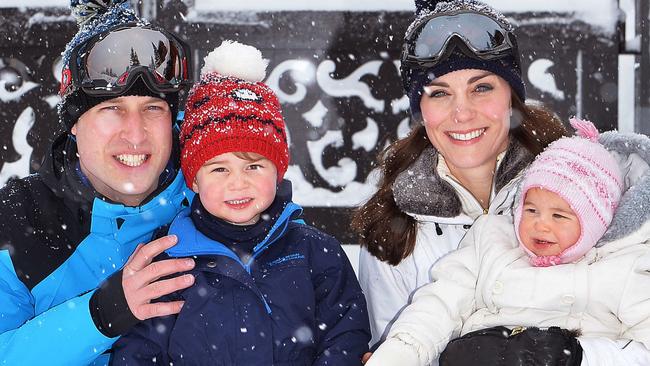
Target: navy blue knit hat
94, 17
416, 79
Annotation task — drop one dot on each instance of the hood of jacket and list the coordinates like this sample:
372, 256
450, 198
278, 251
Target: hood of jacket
632, 152
420, 190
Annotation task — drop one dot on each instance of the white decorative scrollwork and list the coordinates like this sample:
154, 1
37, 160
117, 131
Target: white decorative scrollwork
302, 73
20, 168
351, 85
543, 80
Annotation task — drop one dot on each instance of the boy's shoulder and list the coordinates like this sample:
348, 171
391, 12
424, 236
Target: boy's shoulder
315, 243
304, 231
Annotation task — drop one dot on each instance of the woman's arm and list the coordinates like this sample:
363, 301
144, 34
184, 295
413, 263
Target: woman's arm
386, 291
634, 313
436, 312
605, 352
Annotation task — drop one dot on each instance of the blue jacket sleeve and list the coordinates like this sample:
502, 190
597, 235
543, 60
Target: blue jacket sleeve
62, 335
342, 316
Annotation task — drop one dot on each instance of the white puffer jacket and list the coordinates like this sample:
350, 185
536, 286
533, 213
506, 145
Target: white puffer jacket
606, 294
444, 211
489, 282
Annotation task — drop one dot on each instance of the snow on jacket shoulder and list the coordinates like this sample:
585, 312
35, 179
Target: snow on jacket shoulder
58, 242
296, 302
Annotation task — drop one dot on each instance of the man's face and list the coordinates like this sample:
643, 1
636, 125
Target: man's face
124, 144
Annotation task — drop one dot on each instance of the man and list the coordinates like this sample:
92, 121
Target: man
72, 276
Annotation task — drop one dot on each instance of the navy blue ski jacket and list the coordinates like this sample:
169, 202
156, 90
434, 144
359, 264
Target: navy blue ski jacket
295, 301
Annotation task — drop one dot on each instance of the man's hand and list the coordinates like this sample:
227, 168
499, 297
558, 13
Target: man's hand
141, 284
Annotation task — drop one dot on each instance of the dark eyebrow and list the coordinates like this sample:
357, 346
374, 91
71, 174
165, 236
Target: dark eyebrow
122, 99
478, 77
438, 83
471, 80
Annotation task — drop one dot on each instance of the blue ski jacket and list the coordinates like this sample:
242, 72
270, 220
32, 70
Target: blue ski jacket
295, 301
58, 241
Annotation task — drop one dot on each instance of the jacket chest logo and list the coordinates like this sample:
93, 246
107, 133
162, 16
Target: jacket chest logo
287, 258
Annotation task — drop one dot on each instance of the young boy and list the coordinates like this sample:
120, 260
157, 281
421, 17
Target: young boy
269, 290
512, 313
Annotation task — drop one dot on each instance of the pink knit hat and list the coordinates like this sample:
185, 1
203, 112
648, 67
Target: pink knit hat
586, 176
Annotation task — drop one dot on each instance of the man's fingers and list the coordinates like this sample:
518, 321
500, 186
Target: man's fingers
135, 252
156, 270
145, 254
165, 287
158, 309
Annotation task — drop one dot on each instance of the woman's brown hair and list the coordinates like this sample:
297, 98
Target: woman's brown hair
387, 232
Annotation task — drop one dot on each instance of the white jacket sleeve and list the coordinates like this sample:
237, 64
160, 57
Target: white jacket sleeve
634, 307
606, 352
386, 291
634, 313
436, 312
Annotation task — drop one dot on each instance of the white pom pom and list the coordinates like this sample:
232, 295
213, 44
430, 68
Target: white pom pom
238, 60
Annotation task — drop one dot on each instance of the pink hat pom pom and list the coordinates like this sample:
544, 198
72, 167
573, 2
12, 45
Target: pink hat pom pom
585, 129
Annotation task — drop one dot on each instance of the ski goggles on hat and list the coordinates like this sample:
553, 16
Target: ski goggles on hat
110, 62
476, 35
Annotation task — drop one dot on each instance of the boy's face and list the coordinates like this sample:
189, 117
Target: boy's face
124, 144
235, 189
548, 224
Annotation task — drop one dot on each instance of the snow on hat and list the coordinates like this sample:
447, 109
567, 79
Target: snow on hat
507, 67
230, 109
585, 175
95, 17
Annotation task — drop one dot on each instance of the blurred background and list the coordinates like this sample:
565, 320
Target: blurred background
335, 66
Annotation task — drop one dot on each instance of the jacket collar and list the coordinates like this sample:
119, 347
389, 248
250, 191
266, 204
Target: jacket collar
192, 242
243, 237
420, 190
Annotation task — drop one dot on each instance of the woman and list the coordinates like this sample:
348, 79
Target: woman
464, 160
461, 71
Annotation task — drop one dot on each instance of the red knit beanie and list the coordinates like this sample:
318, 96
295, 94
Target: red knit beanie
230, 110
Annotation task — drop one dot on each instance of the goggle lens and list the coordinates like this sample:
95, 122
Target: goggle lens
108, 64
429, 43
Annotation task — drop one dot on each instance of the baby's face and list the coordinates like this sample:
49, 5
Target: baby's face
548, 224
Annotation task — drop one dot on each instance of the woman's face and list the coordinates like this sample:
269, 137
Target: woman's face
467, 117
